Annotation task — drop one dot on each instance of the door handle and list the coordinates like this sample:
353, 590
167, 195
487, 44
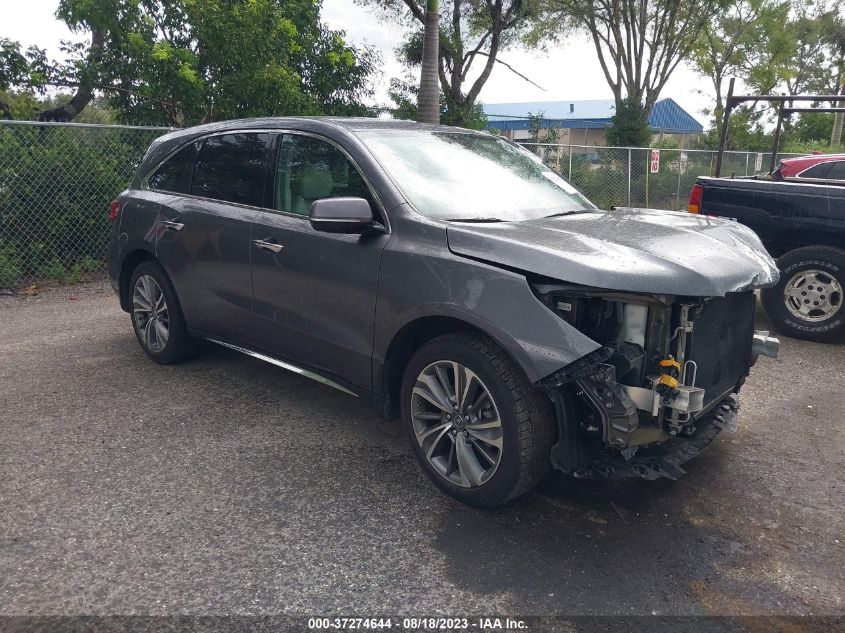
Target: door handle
267, 245
170, 225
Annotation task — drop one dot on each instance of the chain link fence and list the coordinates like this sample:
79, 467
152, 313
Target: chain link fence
57, 180
56, 183
626, 176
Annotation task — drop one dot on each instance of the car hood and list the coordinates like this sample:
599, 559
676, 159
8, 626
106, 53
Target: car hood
636, 250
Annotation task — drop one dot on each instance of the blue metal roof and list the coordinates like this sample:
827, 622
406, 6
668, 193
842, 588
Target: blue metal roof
665, 116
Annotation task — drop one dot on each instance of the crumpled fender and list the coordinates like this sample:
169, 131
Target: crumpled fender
497, 302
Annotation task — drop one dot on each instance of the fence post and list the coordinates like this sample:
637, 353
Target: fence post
570, 163
746, 162
629, 176
678, 190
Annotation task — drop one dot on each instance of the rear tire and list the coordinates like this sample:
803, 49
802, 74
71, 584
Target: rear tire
807, 302
457, 440
157, 316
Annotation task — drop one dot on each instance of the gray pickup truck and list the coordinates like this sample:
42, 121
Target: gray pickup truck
803, 226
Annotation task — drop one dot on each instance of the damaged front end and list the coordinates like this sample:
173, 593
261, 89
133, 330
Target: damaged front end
661, 387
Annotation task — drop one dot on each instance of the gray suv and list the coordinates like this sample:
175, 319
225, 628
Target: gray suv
454, 280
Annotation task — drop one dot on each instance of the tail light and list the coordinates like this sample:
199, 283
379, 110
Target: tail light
694, 205
114, 210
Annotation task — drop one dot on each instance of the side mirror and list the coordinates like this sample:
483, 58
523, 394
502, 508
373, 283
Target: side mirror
341, 215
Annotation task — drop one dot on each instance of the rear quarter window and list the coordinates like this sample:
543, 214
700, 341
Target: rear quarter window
175, 173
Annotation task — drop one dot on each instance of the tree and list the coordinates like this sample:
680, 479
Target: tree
629, 125
404, 93
748, 41
188, 61
836, 39
471, 39
639, 43
429, 97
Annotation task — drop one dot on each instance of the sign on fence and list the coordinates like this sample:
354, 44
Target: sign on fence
758, 163
655, 161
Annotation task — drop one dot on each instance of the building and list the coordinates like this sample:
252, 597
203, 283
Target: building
584, 122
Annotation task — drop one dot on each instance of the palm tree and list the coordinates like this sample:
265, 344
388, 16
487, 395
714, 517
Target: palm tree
428, 102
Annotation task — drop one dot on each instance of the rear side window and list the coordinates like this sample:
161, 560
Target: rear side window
816, 171
175, 174
837, 170
232, 168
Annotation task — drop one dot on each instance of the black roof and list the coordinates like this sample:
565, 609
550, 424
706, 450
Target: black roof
332, 127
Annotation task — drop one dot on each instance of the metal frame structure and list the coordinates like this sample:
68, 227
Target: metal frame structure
783, 111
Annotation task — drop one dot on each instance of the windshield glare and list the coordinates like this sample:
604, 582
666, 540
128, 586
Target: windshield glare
461, 176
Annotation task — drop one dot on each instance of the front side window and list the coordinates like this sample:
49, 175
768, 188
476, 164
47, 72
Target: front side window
175, 174
233, 167
463, 176
309, 169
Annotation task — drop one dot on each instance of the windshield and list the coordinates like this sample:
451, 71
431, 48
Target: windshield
459, 176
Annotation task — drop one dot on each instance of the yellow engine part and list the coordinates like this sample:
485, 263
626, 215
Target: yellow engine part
671, 363
669, 381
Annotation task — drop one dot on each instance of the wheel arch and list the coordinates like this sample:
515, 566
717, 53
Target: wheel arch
409, 338
130, 262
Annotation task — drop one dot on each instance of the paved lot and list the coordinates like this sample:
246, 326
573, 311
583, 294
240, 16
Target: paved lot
226, 485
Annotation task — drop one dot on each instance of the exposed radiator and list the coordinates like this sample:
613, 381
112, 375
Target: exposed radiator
720, 343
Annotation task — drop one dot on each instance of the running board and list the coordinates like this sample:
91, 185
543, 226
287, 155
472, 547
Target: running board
285, 365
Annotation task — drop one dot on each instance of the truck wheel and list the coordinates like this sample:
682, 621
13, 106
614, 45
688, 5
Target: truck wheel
479, 429
807, 301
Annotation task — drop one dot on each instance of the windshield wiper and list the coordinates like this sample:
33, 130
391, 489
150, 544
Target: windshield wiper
474, 220
573, 212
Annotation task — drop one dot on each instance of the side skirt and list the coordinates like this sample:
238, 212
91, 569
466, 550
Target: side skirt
284, 365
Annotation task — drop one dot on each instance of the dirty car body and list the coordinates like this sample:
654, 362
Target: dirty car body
635, 326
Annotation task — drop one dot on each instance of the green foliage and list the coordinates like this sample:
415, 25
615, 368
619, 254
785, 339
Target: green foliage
811, 127
748, 40
403, 94
185, 62
11, 267
539, 134
55, 189
773, 46
629, 125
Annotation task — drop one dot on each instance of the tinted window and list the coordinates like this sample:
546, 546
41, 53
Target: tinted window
837, 170
816, 171
309, 169
232, 168
175, 174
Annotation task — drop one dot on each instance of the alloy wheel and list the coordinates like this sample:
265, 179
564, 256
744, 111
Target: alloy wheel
456, 423
813, 295
149, 309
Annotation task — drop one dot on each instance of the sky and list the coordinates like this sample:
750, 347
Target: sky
570, 71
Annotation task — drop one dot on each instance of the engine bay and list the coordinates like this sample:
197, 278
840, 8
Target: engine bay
665, 363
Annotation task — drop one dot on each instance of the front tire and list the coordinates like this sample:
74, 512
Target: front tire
157, 316
807, 302
478, 428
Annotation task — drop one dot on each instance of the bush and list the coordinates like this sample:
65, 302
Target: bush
11, 267
55, 187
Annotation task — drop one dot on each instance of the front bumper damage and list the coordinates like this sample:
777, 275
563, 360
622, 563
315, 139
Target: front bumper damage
630, 447
664, 459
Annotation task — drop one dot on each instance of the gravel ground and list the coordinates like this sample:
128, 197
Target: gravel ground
226, 485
